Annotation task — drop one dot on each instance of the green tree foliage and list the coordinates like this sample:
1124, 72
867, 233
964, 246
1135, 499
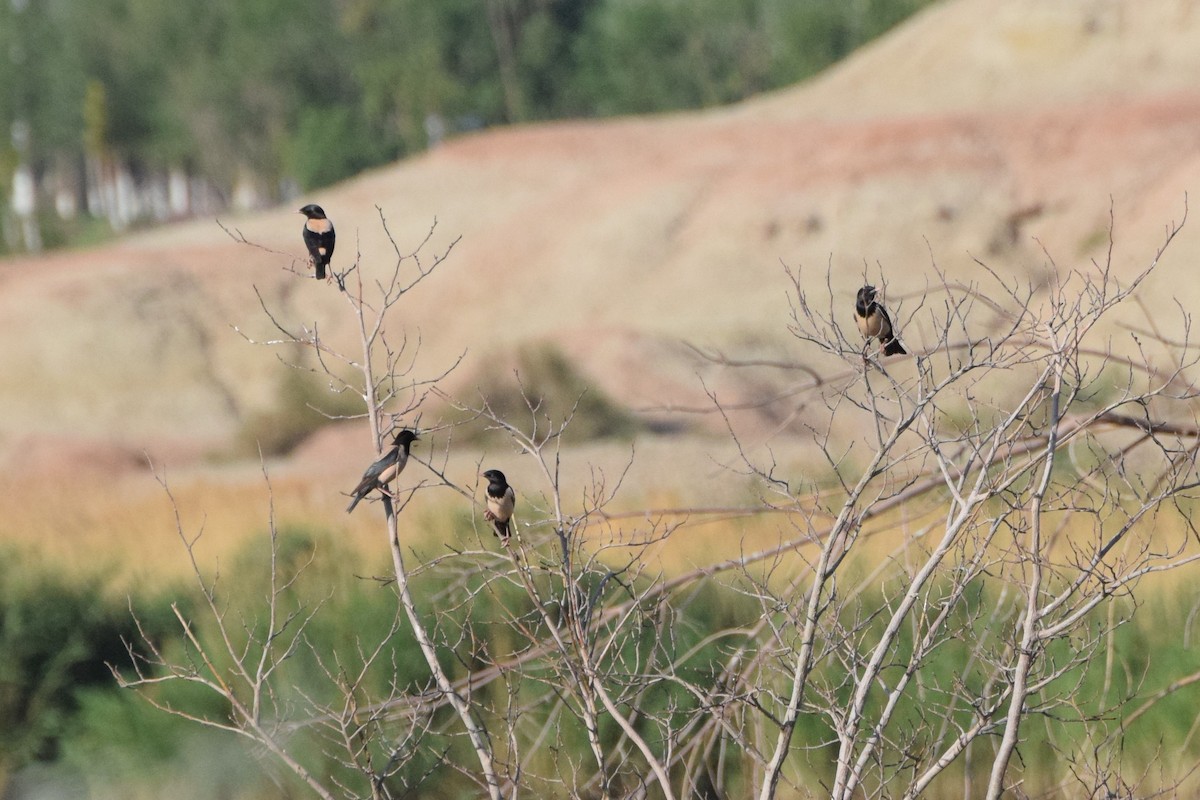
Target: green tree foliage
42, 84
313, 91
544, 383
56, 637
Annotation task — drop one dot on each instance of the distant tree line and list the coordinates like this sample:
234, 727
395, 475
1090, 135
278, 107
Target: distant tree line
138, 109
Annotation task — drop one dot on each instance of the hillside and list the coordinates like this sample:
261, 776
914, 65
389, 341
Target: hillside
619, 241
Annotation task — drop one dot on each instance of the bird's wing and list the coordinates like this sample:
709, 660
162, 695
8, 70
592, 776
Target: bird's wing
374, 473
885, 327
313, 242
325, 243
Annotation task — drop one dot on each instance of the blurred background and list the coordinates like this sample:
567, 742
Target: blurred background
620, 186
128, 112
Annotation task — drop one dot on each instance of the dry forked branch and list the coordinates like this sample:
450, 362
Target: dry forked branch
859, 663
929, 619
389, 392
979, 467
378, 389
588, 651
242, 669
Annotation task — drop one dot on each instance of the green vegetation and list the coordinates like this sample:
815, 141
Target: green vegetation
304, 93
65, 721
303, 404
56, 637
546, 386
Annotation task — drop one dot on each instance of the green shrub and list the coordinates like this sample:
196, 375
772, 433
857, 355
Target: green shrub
303, 405
56, 639
547, 387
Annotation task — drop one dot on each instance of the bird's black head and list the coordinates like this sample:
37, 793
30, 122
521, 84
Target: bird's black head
495, 476
865, 298
406, 437
313, 211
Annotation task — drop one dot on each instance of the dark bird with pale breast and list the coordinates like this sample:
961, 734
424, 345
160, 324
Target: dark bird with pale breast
873, 321
501, 500
318, 237
385, 470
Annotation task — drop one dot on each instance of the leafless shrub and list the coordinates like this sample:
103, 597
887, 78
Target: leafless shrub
1040, 473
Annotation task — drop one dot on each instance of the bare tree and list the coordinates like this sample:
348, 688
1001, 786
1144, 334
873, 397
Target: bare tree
389, 391
974, 527
1043, 482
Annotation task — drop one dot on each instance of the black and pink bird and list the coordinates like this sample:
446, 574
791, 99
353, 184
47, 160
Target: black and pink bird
873, 321
318, 237
501, 500
385, 470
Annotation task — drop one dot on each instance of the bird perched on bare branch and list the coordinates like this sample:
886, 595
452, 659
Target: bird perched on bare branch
318, 237
385, 470
501, 500
873, 320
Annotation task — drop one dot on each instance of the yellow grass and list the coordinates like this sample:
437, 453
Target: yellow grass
125, 527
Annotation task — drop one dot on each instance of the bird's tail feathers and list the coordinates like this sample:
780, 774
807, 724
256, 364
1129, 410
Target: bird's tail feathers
893, 348
354, 502
320, 270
